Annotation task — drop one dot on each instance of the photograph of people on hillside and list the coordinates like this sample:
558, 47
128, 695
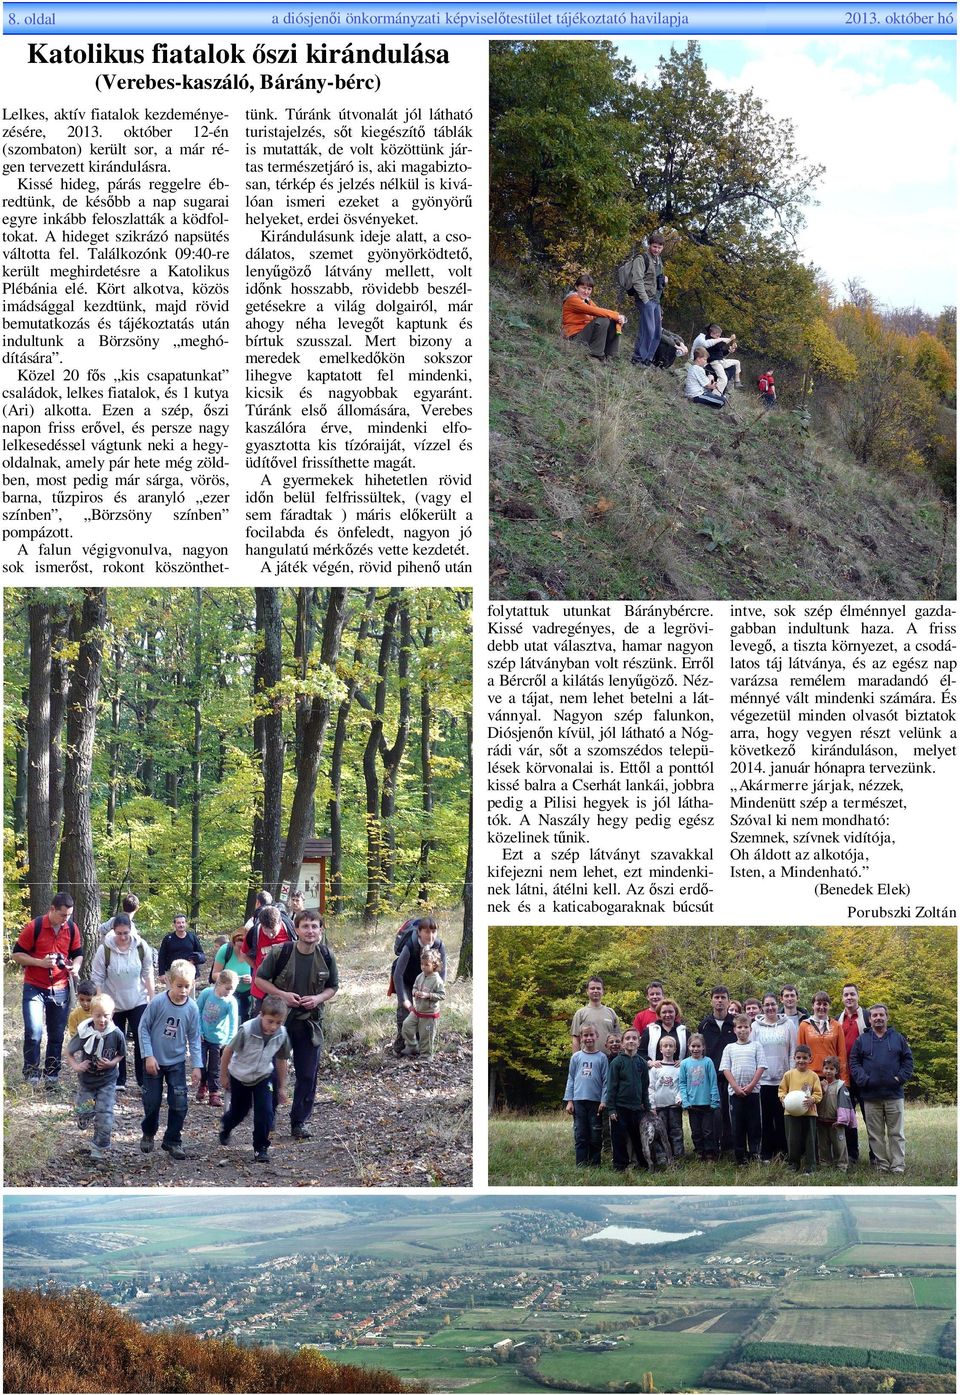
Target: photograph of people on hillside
722, 330
238, 889
717, 1055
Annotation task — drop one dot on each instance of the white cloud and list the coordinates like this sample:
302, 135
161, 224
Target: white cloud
887, 138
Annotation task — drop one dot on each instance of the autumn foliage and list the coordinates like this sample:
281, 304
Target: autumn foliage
74, 1341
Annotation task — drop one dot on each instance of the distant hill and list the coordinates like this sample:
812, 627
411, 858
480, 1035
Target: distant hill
606, 484
75, 1342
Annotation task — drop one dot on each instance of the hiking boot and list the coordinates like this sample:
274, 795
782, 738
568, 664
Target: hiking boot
224, 1136
261, 1155
201, 1094
97, 1153
146, 1144
216, 1100
399, 1045
121, 1089
300, 1132
32, 1079
175, 1150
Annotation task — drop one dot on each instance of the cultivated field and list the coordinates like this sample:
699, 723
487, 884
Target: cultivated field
887, 1256
891, 1329
862, 1293
935, 1292
677, 1360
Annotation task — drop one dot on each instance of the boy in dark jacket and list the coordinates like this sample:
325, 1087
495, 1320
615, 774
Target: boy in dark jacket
626, 1097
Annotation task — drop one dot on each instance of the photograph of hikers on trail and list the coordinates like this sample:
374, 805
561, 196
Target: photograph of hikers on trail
707, 1056
722, 332
238, 887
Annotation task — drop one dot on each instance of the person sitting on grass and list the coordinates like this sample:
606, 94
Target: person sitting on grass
421, 1025
698, 387
589, 325
801, 1129
586, 1077
95, 1054
626, 1097
767, 388
247, 1066
169, 1025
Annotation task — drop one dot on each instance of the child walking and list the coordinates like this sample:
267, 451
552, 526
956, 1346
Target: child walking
247, 1069
421, 1025
665, 1095
801, 1129
586, 1078
95, 1053
219, 1020
700, 1097
168, 1026
626, 1096
835, 1114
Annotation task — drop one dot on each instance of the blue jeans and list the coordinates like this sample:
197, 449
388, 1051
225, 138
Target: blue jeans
50, 1006
101, 1094
648, 333
587, 1132
260, 1095
177, 1100
306, 1063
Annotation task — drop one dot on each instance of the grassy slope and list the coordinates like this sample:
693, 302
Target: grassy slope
620, 474
537, 1150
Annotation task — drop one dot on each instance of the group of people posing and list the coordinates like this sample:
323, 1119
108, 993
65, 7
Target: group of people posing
269, 983
713, 366
761, 1080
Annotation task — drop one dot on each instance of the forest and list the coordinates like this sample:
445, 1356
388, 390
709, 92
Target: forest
185, 744
586, 159
912, 970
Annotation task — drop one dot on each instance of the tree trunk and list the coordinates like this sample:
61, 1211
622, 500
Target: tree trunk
39, 845
59, 678
113, 776
336, 759
302, 649
393, 755
426, 770
314, 731
465, 962
78, 870
271, 729
380, 803
196, 761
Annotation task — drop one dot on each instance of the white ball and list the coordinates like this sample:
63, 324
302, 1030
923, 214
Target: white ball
795, 1102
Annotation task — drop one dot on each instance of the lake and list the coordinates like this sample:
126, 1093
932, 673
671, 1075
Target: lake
631, 1235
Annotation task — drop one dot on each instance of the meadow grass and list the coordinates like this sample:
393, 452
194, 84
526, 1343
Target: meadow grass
537, 1150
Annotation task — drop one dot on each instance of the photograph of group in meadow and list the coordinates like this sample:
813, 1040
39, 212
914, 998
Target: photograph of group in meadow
722, 322
711, 1055
238, 896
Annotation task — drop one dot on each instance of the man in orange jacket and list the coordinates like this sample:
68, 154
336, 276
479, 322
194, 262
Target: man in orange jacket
598, 330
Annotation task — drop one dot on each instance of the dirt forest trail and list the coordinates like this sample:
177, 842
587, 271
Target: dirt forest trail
378, 1121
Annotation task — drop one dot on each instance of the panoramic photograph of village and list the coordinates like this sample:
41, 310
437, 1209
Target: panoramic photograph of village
761, 1292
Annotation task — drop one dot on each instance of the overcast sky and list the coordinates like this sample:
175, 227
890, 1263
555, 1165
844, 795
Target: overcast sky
880, 114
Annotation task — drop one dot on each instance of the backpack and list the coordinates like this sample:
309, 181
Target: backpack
409, 927
625, 277
35, 925
287, 948
106, 954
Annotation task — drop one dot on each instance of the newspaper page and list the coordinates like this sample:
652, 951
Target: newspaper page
478, 517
